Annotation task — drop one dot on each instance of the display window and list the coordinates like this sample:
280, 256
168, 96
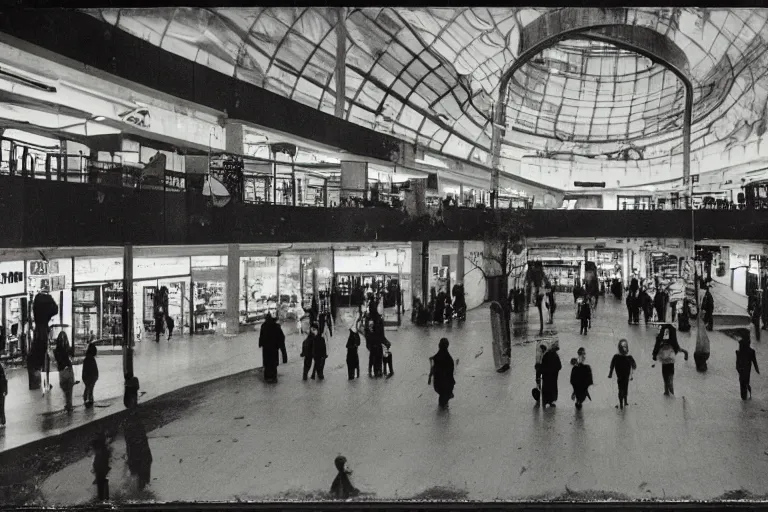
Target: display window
608, 263
258, 288
97, 301
209, 293
178, 307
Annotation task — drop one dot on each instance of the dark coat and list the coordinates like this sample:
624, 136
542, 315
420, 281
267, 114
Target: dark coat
550, 369
708, 303
90, 370
61, 353
3, 381
307, 346
581, 379
353, 342
442, 372
745, 358
319, 348
272, 343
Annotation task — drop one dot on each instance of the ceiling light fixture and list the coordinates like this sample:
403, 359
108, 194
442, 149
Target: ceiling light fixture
99, 118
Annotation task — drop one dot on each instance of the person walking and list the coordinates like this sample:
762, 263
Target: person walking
647, 305
540, 351
320, 354
369, 343
378, 342
442, 370
625, 365
387, 360
550, 370
64, 364
581, 378
708, 307
90, 374
308, 349
169, 324
585, 315
665, 350
353, 359
3, 394
745, 359
551, 306
272, 343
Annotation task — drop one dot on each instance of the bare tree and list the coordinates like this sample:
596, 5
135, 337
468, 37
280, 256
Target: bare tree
503, 257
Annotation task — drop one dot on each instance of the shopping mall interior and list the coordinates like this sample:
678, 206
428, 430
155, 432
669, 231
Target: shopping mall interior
173, 177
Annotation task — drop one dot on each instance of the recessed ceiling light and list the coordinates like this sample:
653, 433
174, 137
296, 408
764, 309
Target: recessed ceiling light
99, 118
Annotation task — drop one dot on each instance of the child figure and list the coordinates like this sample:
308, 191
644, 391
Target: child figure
745, 358
581, 378
3, 394
102, 453
353, 360
585, 314
387, 351
665, 350
624, 364
342, 487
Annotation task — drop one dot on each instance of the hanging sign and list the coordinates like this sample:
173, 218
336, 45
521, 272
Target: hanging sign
12, 278
138, 117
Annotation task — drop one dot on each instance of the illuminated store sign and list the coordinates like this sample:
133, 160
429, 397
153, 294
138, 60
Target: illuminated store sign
138, 117
11, 278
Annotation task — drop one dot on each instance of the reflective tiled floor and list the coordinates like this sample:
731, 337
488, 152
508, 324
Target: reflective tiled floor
246, 439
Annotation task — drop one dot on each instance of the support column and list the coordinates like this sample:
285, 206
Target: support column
425, 272
127, 319
233, 290
460, 264
341, 57
416, 271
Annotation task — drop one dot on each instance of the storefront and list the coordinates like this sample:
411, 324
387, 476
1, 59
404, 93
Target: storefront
12, 301
359, 272
209, 294
608, 263
258, 289
97, 301
563, 264
55, 277
150, 275
307, 274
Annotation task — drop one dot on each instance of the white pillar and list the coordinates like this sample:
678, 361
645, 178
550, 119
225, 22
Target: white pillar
233, 290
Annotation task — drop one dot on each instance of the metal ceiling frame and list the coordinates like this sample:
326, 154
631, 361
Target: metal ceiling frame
605, 25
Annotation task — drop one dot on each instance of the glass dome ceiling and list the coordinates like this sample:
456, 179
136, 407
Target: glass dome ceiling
431, 75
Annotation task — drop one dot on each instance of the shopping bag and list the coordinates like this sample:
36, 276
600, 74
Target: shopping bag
536, 394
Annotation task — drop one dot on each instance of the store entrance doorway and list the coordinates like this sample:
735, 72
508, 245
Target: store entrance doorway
178, 305
11, 324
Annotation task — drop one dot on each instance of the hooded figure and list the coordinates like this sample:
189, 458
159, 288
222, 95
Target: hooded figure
660, 305
342, 487
353, 360
272, 342
550, 369
581, 378
90, 374
683, 319
745, 359
442, 368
